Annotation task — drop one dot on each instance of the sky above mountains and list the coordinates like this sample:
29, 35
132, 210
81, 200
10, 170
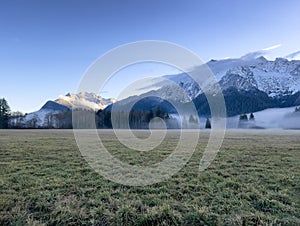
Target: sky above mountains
46, 46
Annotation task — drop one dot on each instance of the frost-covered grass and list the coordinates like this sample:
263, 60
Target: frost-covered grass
254, 180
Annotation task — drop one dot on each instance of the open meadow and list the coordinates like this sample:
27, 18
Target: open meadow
254, 180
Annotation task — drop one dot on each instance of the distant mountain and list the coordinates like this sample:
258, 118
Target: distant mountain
249, 84
53, 111
145, 104
276, 78
246, 101
84, 100
54, 106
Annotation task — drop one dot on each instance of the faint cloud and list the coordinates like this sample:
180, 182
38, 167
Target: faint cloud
272, 47
293, 56
258, 53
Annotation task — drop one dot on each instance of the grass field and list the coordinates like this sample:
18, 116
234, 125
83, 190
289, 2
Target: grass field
255, 180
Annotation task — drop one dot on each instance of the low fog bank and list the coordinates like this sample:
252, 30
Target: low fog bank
274, 118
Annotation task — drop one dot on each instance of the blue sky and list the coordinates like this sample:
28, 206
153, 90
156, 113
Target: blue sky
46, 46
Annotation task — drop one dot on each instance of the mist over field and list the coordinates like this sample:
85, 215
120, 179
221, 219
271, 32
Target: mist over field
275, 118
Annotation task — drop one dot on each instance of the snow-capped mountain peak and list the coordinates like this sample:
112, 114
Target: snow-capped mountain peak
53, 111
276, 78
84, 100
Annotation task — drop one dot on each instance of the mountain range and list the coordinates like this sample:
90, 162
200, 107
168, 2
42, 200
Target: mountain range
249, 84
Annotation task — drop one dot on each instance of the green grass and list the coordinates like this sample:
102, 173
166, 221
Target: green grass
255, 180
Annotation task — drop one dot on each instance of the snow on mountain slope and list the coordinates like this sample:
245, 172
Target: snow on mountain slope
220, 67
37, 119
241, 78
84, 100
276, 78
46, 116
184, 82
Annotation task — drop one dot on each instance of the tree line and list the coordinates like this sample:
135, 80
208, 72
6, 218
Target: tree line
103, 119
81, 118
86, 118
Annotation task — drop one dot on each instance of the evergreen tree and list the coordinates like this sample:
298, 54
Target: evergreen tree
159, 112
107, 119
192, 119
167, 116
243, 122
150, 115
243, 117
251, 117
207, 124
4, 114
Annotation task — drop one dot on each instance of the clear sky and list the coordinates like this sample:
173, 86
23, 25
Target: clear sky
45, 46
